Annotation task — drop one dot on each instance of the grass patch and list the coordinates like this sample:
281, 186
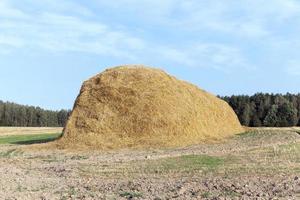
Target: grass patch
29, 139
230, 193
10, 153
268, 160
163, 166
205, 195
186, 163
287, 153
248, 134
79, 157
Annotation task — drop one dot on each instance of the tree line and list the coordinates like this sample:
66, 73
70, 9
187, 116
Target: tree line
12, 114
263, 109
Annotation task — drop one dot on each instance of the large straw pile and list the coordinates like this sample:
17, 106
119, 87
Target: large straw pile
136, 106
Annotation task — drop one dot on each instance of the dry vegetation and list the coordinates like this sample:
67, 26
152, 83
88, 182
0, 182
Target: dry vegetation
259, 164
140, 107
167, 138
5, 131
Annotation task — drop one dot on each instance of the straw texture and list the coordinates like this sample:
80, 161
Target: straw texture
140, 107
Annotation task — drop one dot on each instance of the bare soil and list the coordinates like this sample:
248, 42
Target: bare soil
260, 164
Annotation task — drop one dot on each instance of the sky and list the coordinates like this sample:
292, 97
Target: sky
48, 48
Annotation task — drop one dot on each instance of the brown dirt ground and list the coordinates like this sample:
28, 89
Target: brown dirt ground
261, 164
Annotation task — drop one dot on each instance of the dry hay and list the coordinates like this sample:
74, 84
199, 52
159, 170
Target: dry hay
136, 106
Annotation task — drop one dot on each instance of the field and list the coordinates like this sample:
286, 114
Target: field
258, 164
8, 131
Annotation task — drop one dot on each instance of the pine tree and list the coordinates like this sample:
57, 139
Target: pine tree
271, 118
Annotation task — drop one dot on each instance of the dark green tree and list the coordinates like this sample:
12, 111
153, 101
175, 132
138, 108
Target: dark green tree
246, 115
266, 109
287, 115
12, 114
271, 118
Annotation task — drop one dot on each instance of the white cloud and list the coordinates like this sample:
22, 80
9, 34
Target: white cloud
62, 26
11, 41
51, 30
62, 32
33, 7
248, 18
176, 55
279, 9
150, 9
207, 55
9, 12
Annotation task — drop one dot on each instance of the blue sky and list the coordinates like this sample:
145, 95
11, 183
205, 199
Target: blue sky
48, 48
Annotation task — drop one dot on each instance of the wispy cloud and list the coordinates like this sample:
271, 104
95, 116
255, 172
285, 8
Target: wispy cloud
218, 56
62, 32
196, 33
11, 41
7, 11
248, 18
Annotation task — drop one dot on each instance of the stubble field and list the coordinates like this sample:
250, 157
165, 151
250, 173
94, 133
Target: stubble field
259, 164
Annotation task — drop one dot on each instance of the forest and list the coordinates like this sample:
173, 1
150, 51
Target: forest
263, 109
260, 109
12, 114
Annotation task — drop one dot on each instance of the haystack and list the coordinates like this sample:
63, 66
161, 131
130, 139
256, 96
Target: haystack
136, 106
